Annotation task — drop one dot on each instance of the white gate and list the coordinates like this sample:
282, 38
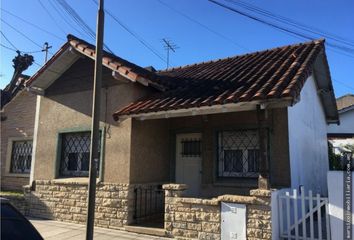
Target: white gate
303, 216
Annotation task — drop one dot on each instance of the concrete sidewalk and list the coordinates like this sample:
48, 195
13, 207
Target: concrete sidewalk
54, 230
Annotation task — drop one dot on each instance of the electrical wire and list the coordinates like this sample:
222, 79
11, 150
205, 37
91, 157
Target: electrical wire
53, 19
292, 22
349, 51
135, 35
33, 25
203, 26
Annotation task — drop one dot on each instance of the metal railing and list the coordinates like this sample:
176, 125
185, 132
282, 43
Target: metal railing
149, 202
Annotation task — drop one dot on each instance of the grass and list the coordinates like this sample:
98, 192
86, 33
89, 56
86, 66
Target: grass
10, 193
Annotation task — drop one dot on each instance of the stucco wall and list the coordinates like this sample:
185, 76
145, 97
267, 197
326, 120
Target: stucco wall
346, 123
153, 146
308, 141
150, 151
19, 123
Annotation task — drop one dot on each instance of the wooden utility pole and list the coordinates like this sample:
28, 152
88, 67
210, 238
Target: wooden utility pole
95, 132
45, 49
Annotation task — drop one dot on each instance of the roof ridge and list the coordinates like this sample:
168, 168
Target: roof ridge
315, 41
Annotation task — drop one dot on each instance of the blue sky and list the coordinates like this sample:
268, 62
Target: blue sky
153, 21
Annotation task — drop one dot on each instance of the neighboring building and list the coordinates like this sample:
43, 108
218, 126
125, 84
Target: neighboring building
224, 127
342, 135
17, 123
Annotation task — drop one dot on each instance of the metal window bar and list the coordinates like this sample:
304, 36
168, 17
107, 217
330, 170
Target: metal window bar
191, 147
21, 157
149, 204
238, 153
75, 154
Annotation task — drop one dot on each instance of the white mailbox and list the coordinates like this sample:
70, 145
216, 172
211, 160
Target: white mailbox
233, 221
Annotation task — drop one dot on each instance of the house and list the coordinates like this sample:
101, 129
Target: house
17, 125
220, 131
342, 135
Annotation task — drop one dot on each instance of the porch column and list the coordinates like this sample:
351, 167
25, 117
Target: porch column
263, 179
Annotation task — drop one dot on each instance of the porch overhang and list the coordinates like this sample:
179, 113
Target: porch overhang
214, 109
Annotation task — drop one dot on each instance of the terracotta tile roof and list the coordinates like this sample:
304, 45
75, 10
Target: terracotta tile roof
271, 74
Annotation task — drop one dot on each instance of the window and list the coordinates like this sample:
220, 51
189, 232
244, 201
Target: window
21, 156
75, 154
191, 147
238, 153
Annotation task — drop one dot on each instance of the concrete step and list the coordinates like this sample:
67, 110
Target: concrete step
146, 230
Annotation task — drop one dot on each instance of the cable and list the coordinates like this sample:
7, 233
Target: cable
204, 26
4, 46
289, 31
53, 19
291, 22
8, 40
135, 35
38, 27
19, 32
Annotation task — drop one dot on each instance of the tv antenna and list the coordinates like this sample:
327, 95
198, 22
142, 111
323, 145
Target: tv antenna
169, 46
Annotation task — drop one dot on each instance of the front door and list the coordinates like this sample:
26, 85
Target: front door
188, 162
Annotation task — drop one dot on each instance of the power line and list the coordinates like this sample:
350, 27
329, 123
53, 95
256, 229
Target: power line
9, 48
50, 15
8, 40
36, 26
79, 21
284, 29
22, 34
291, 22
135, 35
204, 26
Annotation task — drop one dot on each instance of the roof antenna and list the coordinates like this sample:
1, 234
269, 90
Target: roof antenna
169, 46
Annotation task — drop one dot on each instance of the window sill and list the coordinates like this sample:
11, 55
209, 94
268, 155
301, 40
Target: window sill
79, 180
19, 175
250, 182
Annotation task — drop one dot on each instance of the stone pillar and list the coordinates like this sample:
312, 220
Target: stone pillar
174, 190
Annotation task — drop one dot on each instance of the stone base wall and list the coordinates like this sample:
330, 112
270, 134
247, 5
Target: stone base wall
18, 201
67, 201
193, 218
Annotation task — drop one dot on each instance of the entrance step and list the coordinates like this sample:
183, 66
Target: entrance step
147, 230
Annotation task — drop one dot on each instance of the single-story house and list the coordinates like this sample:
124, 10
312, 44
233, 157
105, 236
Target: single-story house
342, 135
18, 108
222, 127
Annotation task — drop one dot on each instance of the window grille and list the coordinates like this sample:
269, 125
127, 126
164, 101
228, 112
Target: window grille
21, 157
238, 153
191, 147
75, 154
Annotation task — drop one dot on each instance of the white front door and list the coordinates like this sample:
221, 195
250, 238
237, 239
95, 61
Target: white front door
188, 162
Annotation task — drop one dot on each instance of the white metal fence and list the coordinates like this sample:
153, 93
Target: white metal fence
303, 216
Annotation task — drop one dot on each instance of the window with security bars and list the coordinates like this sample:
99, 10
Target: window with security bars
191, 147
21, 157
238, 153
75, 154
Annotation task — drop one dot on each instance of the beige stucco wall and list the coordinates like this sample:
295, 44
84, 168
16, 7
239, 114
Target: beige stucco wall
152, 138
72, 112
19, 124
150, 151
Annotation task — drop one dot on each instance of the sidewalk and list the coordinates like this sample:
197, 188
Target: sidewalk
54, 230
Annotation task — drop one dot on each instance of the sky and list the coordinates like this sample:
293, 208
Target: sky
208, 32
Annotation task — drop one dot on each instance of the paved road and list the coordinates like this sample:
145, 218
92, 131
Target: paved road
54, 230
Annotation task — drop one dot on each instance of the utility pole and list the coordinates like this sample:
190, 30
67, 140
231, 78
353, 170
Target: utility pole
95, 132
45, 49
169, 46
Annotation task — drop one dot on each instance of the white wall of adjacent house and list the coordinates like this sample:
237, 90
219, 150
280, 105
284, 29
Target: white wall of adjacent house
346, 123
308, 147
